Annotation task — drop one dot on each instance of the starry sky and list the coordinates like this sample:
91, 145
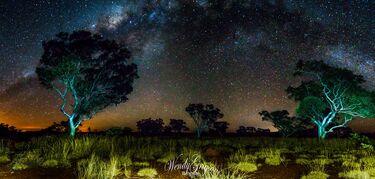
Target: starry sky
236, 54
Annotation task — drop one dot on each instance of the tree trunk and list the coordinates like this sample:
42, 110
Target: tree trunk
322, 132
72, 132
198, 133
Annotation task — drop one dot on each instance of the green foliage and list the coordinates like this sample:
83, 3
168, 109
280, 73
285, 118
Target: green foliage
204, 116
363, 141
19, 166
168, 157
147, 172
368, 162
309, 106
50, 163
242, 156
4, 159
221, 174
95, 71
285, 124
303, 161
67, 69
244, 166
316, 175
97, 168
141, 164
354, 174
4, 149
271, 156
27, 159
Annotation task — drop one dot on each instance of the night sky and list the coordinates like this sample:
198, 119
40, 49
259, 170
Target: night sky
236, 54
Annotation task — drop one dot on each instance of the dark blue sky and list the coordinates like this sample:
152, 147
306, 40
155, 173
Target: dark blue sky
235, 54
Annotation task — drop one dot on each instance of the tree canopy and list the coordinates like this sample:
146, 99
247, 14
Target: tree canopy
204, 116
286, 125
331, 97
93, 70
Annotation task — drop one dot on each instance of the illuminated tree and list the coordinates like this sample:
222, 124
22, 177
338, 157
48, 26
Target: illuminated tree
285, 124
88, 72
341, 97
204, 116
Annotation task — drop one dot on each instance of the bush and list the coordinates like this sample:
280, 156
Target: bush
316, 175
147, 172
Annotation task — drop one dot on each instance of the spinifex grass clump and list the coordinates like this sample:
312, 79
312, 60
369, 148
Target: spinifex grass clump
98, 168
147, 172
271, 156
4, 152
27, 159
220, 174
359, 168
243, 162
315, 175
243, 166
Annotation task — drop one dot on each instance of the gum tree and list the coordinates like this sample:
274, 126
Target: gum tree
332, 97
204, 116
285, 124
88, 72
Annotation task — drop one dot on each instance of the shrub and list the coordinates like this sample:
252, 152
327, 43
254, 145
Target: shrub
316, 175
147, 172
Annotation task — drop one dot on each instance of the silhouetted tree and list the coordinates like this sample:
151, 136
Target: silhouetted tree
7, 130
341, 96
242, 130
61, 127
204, 116
150, 126
285, 124
94, 71
176, 126
220, 127
263, 131
118, 131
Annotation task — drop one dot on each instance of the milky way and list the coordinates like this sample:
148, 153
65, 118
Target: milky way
237, 55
